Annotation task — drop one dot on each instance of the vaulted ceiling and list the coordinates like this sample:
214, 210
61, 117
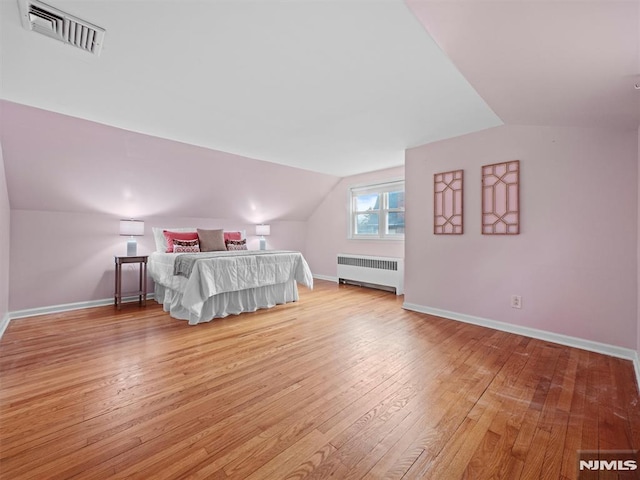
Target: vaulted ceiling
338, 87
569, 63
333, 88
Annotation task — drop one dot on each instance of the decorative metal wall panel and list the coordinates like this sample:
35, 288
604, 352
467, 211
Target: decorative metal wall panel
448, 203
501, 198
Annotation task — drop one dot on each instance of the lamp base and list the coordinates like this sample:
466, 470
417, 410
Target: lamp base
132, 247
263, 243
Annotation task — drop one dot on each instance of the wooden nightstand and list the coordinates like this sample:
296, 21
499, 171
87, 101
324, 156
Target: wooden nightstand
142, 287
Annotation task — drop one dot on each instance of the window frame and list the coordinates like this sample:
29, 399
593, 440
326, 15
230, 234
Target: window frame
382, 189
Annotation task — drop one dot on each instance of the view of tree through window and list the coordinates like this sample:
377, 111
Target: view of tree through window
395, 214
378, 211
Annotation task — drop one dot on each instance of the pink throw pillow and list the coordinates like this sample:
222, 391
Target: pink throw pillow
232, 236
170, 236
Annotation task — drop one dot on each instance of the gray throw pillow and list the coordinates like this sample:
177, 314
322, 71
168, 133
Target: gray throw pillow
211, 240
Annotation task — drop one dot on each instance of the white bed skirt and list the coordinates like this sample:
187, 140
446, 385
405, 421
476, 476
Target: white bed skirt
228, 303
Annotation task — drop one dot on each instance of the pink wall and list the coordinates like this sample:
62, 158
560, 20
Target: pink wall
574, 264
328, 226
638, 297
59, 163
63, 257
70, 180
4, 241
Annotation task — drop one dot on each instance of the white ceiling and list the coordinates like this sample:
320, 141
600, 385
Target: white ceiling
338, 87
334, 86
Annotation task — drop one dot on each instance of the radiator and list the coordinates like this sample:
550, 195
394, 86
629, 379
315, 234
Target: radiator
371, 271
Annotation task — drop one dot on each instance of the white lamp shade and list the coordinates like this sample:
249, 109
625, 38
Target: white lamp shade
132, 227
263, 230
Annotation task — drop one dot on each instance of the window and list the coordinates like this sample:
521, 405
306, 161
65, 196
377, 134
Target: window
377, 211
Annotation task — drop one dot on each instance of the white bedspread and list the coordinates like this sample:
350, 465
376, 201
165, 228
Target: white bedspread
228, 273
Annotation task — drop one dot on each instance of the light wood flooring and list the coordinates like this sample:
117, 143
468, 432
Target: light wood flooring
343, 384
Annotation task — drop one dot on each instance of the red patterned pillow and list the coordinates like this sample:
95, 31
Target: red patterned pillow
170, 236
236, 244
185, 246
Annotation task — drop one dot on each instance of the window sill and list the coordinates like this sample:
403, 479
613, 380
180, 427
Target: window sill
377, 239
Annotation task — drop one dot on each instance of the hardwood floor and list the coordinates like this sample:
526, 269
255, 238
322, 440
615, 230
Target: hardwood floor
343, 384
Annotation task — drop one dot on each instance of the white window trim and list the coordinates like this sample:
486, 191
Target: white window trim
397, 184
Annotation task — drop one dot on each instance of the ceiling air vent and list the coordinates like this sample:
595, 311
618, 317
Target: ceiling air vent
50, 21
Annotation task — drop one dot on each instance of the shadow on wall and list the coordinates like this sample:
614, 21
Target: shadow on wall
130, 279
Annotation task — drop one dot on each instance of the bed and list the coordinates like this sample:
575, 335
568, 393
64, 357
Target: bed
199, 287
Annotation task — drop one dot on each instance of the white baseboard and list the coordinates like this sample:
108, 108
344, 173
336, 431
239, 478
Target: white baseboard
66, 307
575, 342
326, 277
4, 323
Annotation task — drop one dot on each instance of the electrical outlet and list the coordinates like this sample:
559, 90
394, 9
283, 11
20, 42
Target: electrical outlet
516, 301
